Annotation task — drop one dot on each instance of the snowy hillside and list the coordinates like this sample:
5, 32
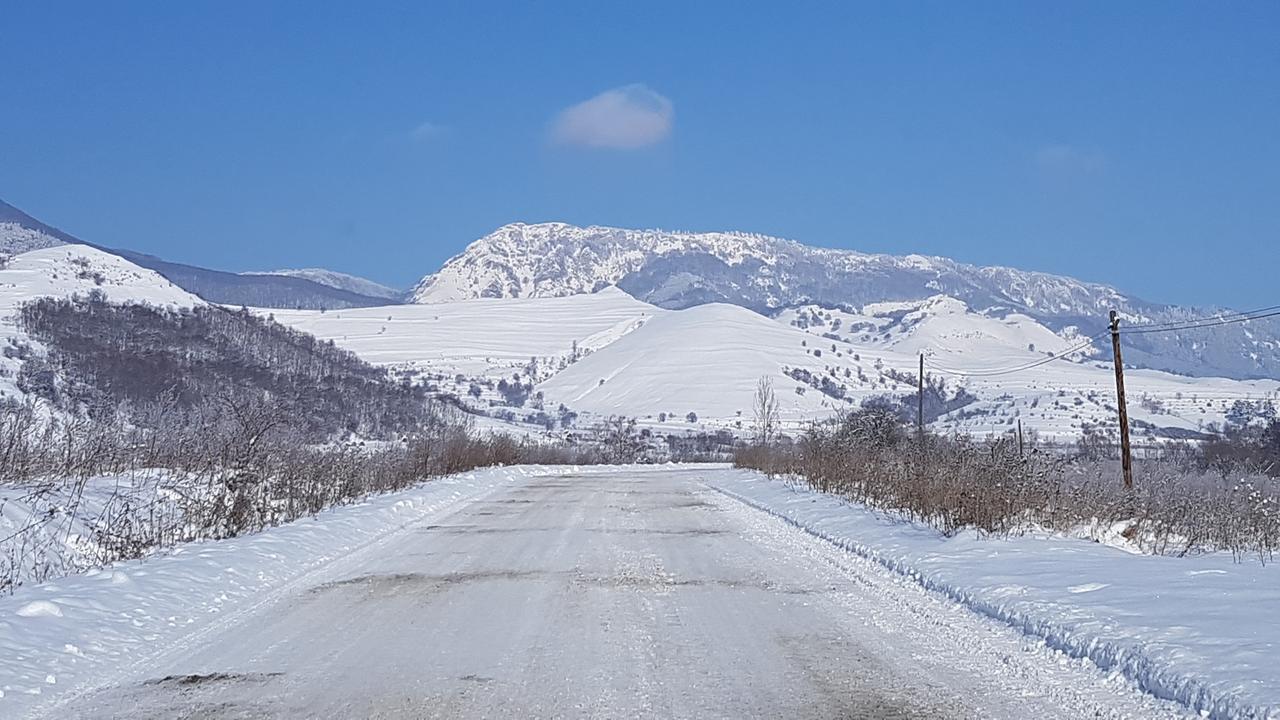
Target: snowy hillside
67, 271
476, 349
341, 281
19, 232
662, 366
16, 239
680, 269
705, 360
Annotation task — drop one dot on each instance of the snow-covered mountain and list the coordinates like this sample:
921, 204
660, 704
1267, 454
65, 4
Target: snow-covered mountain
768, 275
19, 232
341, 281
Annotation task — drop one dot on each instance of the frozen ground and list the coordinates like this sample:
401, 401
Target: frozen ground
533, 592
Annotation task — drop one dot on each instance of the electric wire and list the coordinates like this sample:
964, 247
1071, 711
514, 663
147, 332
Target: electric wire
1210, 318
1142, 329
1172, 326
996, 372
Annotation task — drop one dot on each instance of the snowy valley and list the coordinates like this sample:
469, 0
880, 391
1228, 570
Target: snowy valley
551, 329
309, 432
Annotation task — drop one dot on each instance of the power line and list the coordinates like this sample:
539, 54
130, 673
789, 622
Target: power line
1173, 326
995, 372
1228, 320
1208, 318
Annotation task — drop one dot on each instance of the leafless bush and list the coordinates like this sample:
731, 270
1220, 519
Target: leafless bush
235, 465
956, 483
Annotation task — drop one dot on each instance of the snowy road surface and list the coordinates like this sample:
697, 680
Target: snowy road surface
608, 593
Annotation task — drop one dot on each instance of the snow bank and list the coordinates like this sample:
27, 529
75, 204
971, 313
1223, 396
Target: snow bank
1202, 631
83, 630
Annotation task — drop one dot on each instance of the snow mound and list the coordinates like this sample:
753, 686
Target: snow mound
39, 608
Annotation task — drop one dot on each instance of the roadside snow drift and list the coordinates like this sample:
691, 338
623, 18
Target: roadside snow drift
1199, 630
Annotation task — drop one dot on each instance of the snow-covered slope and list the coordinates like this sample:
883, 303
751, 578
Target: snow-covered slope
482, 338
681, 269
16, 239
67, 271
707, 359
939, 325
341, 281
641, 361
19, 232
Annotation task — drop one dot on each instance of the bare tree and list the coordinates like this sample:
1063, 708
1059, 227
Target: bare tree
765, 406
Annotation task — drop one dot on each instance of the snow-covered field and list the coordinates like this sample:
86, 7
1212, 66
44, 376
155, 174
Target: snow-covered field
492, 338
1200, 630
661, 365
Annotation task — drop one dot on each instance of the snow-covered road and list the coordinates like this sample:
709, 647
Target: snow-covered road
605, 592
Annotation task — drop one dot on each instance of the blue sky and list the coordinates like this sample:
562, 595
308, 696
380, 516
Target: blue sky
1135, 143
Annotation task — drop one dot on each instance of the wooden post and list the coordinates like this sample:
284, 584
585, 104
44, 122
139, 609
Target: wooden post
920, 401
1126, 460
1021, 447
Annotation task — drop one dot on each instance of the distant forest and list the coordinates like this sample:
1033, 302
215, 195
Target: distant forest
102, 355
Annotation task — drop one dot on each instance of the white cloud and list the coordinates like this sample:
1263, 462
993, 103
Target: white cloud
625, 118
1060, 158
427, 131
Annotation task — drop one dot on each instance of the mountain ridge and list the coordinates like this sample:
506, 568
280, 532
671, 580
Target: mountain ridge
677, 269
337, 280
20, 232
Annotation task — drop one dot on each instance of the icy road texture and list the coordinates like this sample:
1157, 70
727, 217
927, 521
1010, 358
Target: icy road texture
602, 592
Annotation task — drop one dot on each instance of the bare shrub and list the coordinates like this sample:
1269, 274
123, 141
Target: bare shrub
165, 473
957, 483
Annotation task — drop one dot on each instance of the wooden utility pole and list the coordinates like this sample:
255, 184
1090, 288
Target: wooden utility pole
920, 401
1021, 447
1126, 460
